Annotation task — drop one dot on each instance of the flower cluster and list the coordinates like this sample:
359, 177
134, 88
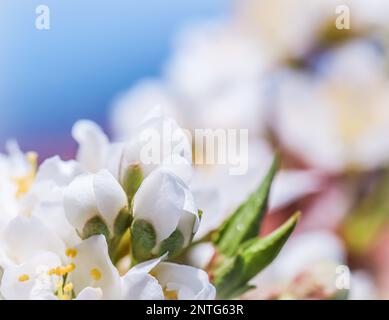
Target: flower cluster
109, 225
67, 225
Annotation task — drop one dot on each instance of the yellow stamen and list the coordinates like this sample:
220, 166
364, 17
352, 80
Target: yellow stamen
24, 183
51, 272
95, 274
24, 278
71, 253
60, 271
70, 267
68, 288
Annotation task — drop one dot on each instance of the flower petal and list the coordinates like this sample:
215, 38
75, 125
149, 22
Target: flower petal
25, 236
160, 200
110, 196
138, 284
95, 269
58, 171
80, 201
90, 293
29, 280
53, 217
93, 145
189, 283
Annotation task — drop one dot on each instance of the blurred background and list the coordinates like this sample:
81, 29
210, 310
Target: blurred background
93, 51
308, 78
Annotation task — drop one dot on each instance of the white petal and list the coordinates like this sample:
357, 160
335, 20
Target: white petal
180, 166
141, 287
53, 217
110, 196
188, 226
139, 104
138, 284
190, 283
25, 236
160, 200
92, 153
200, 255
173, 140
37, 286
209, 201
158, 141
93, 255
90, 293
114, 161
58, 171
80, 201
284, 191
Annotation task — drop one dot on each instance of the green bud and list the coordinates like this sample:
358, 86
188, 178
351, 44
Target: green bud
231, 279
95, 226
245, 222
143, 239
132, 180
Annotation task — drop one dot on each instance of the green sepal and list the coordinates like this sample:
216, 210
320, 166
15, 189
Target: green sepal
95, 226
231, 279
143, 240
245, 222
173, 244
122, 222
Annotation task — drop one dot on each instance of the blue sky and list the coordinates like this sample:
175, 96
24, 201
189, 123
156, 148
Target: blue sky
94, 50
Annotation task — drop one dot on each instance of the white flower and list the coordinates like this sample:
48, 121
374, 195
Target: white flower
25, 236
83, 272
95, 151
158, 280
165, 202
271, 22
93, 268
93, 145
92, 196
216, 73
328, 120
211, 55
48, 186
17, 172
156, 141
132, 107
292, 28
39, 213
30, 279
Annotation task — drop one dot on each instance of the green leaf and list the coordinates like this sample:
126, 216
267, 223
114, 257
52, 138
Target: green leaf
143, 238
132, 180
255, 255
245, 222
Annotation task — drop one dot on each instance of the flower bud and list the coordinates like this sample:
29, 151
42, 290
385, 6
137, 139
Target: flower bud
96, 204
165, 216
